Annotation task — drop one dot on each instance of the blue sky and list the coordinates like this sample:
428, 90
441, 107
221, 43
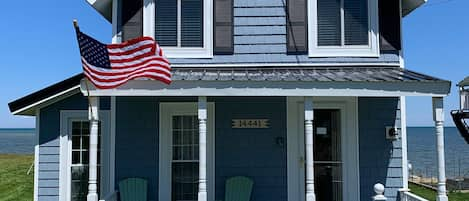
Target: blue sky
38, 48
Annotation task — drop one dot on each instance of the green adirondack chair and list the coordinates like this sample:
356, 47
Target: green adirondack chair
238, 189
133, 189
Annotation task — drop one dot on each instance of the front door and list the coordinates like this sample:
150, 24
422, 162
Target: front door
335, 135
327, 155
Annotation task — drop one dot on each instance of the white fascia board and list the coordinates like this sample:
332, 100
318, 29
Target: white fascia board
104, 7
29, 110
272, 88
410, 5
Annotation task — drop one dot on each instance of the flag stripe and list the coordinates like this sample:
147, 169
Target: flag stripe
111, 85
103, 71
116, 78
113, 52
99, 72
139, 62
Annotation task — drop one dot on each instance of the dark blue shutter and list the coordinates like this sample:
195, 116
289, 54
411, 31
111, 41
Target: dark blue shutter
356, 22
297, 28
389, 25
329, 22
132, 19
223, 27
192, 23
166, 22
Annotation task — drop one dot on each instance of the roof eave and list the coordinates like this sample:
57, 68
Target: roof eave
410, 5
104, 7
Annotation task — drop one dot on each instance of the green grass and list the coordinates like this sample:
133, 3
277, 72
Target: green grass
15, 184
431, 195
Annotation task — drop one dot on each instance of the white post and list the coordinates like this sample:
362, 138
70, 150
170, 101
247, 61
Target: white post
405, 162
309, 116
438, 117
202, 113
93, 111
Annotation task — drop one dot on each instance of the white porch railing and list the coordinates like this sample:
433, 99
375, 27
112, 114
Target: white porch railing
408, 196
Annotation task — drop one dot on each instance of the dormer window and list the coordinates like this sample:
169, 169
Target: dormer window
343, 28
184, 28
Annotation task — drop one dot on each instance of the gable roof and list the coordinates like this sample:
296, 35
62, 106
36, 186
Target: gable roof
26, 104
104, 7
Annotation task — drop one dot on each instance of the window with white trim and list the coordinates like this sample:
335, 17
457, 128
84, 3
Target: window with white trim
343, 28
184, 27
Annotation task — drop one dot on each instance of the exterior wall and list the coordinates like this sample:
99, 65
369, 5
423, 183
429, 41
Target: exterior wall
260, 35
252, 152
380, 159
137, 141
239, 152
49, 144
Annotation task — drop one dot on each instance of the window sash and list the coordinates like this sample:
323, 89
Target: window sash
369, 50
344, 30
185, 26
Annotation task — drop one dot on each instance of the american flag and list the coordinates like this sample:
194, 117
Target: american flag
110, 66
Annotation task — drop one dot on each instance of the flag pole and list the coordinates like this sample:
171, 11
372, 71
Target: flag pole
94, 130
77, 29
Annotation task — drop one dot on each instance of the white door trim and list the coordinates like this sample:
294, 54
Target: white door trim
66, 116
350, 149
165, 151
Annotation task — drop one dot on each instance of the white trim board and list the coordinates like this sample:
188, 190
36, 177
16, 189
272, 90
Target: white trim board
350, 150
66, 116
272, 88
49, 100
166, 111
36, 155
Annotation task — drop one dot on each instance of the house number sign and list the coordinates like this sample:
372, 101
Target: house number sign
250, 123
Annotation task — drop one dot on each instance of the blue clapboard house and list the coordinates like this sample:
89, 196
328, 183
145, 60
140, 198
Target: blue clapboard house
305, 98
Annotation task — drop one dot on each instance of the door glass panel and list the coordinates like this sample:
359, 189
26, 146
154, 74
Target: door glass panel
80, 160
327, 156
185, 160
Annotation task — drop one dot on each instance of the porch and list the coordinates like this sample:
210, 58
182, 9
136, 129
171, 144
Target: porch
366, 105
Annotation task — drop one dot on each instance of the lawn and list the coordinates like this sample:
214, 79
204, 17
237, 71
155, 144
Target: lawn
431, 195
15, 184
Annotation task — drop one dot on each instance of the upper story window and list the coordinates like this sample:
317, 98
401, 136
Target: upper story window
343, 28
184, 28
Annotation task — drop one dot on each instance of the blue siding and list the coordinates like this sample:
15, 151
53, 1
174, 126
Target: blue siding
49, 146
380, 159
260, 22
252, 152
137, 141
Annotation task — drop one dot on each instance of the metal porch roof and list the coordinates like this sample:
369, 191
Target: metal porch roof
311, 75
328, 74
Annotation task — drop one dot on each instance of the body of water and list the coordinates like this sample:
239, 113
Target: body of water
421, 149
421, 143
17, 141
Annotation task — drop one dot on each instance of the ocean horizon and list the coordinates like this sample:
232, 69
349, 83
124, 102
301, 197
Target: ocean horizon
421, 149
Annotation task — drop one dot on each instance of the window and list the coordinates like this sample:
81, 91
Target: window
185, 159
343, 28
80, 139
184, 27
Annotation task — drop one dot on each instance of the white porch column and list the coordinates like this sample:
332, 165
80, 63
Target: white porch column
93, 111
202, 113
438, 117
309, 116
